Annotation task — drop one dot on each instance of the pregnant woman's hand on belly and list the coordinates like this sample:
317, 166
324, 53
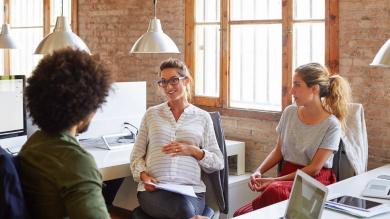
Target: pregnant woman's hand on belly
181, 148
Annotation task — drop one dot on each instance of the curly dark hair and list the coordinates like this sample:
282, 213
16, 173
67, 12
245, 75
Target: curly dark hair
64, 88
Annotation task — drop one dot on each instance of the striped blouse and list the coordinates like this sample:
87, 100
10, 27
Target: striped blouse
159, 128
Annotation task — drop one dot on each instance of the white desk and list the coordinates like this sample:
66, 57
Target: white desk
113, 164
352, 186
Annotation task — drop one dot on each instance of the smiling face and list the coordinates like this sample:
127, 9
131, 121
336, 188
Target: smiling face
174, 91
301, 92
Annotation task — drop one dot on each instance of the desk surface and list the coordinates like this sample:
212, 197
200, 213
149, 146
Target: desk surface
352, 186
114, 164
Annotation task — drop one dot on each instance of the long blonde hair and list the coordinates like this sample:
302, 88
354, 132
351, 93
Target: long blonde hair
335, 91
182, 70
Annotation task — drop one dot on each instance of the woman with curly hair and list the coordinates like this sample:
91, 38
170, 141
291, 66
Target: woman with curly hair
59, 178
309, 133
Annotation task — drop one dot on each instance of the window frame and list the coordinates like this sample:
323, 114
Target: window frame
221, 103
46, 25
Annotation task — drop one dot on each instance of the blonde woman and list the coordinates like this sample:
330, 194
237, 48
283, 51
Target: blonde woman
309, 132
176, 141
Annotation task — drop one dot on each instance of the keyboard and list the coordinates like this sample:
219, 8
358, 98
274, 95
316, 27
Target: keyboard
93, 142
13, 149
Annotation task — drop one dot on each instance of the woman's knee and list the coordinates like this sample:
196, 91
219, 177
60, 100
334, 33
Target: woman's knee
183, 210
156, 205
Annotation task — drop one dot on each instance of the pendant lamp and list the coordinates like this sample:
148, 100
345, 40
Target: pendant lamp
62, 37
154, 40
382, 58
6, 41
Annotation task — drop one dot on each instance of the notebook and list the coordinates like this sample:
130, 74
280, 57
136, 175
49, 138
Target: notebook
377, 188
307, 198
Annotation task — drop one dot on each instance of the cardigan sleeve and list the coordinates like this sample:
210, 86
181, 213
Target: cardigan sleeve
213, 159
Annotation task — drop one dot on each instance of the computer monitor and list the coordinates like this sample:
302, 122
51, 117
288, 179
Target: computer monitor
12, 111
126, 103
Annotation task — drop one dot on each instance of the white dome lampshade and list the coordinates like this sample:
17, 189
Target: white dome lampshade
154, 40
382, 58
6, 41
62, 37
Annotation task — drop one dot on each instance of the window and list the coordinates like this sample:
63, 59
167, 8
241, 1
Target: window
242, 52
30, 21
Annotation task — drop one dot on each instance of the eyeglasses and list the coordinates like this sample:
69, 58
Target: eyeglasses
172, 81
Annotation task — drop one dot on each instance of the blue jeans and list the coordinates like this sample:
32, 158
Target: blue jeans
163, 204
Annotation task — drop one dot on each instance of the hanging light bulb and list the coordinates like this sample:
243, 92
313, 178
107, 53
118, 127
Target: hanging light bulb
62, 37
154, 40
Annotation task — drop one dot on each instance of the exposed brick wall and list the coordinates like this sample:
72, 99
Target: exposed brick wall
110, 28
364, 27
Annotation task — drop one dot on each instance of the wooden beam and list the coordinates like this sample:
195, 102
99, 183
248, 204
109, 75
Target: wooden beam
46, 16
287, 32
245, 113
270, 21
225, 55
74, 16
332, 35
189, 40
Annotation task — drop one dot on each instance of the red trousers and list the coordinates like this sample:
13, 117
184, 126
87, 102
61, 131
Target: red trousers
280, 190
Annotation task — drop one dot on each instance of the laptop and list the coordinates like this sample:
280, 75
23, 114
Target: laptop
307, 198
110, 142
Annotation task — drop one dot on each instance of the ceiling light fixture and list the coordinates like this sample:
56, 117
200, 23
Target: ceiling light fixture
382, 58
62, 37
154, 40
6, 41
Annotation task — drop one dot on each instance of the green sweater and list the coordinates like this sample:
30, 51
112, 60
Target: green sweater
60, 179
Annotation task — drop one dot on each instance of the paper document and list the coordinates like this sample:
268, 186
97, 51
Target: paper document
378, 188
181, 189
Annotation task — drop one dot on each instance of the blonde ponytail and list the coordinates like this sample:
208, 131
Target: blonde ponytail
339, 95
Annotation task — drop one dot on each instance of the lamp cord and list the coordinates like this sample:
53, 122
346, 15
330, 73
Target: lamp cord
155, 7
62, 8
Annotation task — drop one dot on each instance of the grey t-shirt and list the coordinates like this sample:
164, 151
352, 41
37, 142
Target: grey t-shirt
301, 141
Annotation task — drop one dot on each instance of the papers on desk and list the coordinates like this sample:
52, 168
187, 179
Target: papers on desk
180, 189
377, 188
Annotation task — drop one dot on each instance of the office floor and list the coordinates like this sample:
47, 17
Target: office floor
119, 213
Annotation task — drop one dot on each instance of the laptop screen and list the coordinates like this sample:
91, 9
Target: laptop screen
307, 198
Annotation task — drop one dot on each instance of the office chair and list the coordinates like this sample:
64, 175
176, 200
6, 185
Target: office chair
341, 165
217, 182
11, 195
